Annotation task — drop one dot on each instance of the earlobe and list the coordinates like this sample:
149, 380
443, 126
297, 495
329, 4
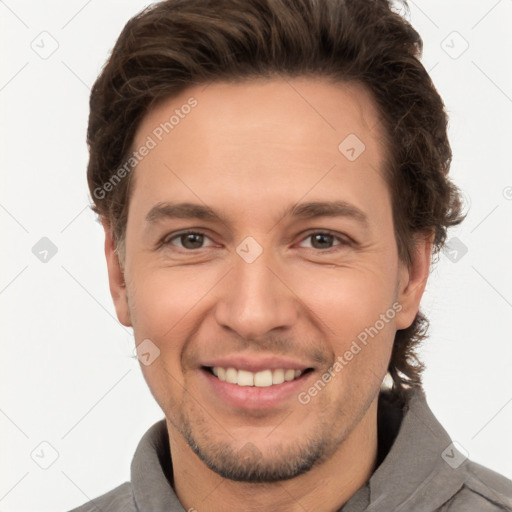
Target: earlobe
116, 277
413, 280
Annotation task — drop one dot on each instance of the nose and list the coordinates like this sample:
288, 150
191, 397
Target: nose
256, 299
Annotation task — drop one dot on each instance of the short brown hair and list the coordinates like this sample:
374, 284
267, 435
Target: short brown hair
174, 44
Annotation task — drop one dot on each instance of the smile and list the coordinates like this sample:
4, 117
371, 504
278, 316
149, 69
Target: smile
261, 379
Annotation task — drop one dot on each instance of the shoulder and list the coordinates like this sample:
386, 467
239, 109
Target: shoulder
483, 490
119, 499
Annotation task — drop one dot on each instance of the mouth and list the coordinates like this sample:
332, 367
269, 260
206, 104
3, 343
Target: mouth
254, 382
260, 379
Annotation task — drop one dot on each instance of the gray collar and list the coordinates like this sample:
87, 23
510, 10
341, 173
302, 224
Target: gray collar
414, 475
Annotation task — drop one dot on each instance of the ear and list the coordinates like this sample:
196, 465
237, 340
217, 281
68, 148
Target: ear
116, 277
412, 281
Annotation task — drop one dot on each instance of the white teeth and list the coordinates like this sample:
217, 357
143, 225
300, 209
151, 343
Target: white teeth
262, 379
289, 375
245, 378
232, 376
278, 376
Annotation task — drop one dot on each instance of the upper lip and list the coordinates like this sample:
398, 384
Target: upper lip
256, 364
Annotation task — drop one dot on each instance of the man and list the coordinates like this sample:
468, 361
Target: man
272, 179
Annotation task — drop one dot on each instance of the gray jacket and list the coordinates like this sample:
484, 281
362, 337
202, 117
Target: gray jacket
422, 472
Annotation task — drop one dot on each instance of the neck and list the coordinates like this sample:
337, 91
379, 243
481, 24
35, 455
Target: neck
326, 487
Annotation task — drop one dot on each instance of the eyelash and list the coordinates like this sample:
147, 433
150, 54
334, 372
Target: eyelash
343, 239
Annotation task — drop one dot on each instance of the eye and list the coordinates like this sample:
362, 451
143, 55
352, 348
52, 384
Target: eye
194, 240
325, 240
188, 240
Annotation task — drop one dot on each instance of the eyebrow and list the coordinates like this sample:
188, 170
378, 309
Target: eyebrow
311, 210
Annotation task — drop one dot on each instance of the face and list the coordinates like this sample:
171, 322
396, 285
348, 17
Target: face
262, 272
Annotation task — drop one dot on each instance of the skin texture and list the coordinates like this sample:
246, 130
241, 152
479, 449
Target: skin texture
250, 151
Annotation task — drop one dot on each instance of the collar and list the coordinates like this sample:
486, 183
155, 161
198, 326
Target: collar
414, 473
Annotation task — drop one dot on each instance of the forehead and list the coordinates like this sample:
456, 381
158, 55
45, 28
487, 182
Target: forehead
316, 109
275, 136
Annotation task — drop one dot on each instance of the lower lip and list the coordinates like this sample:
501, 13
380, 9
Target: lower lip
253, 397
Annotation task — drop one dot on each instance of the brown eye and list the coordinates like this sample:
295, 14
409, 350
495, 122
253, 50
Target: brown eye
321, 240
324, 240
191, 240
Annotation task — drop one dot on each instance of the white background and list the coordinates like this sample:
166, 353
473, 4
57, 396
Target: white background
67, 375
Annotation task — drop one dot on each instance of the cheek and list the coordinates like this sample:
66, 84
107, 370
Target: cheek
354, 309
163, 299
347, 300
162, 305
